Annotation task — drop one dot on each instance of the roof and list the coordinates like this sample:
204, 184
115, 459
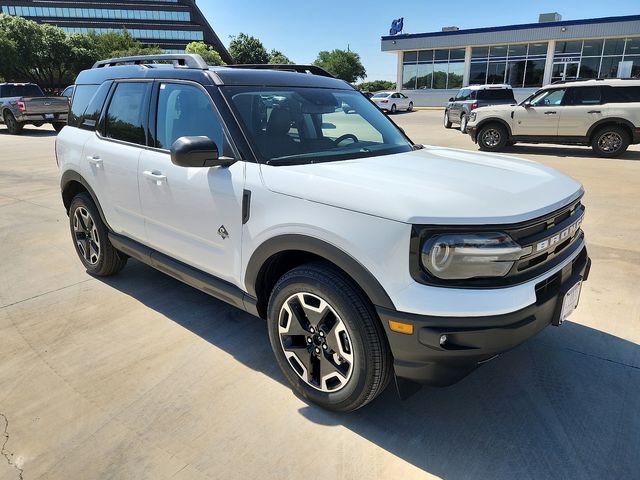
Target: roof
489, 86
616, 82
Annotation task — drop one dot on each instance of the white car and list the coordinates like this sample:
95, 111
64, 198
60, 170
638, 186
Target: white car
369, 256
392, 101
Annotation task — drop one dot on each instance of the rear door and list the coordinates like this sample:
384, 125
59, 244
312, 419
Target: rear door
192, 214
112, 156
581, 109
541, 117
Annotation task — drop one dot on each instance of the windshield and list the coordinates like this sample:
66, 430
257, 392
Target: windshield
308, 125
381, 95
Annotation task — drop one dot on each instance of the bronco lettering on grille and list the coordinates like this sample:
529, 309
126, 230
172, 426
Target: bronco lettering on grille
559, 237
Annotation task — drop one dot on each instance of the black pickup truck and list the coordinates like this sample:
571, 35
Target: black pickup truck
25, 103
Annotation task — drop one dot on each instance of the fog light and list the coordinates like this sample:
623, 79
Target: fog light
443, 339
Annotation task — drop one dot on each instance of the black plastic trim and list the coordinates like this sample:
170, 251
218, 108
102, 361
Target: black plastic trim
246, 206
302, 243
73, 176
205, 282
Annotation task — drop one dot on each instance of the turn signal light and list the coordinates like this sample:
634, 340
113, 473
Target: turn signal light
400, 327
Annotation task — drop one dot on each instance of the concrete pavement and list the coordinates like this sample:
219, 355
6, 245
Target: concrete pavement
139, 376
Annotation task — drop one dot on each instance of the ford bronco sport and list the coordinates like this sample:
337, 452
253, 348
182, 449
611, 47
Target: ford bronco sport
371, 258
602, 113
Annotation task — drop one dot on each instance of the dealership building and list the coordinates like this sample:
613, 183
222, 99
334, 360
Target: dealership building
169, 24
433, 66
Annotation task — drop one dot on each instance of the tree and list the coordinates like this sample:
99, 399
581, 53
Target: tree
207, 52
343, 64
247, 49
377, 85
278, 58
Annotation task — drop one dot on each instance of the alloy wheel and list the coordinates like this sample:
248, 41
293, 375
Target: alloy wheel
86, 235
315, 342
610, 142
491, 137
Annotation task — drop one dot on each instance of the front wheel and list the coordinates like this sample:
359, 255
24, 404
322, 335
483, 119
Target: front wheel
327, 338
14, 127
610, 142
492, 138
90, 238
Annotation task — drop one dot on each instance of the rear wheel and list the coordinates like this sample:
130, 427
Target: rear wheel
492, 137
447, 123
610, 142
463, 123
12, 124
410, 108
393, 108
90, 238
327, 338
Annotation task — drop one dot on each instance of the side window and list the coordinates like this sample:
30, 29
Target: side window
81, 98
621, 94
549, 98
583, 96
125, 118
395, 95
186, 111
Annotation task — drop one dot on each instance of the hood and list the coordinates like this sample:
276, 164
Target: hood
430, 186
505, 107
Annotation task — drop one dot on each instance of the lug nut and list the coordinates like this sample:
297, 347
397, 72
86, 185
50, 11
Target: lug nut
312, 330
309, 340
321, 333
317, 350
443, 339
324, 346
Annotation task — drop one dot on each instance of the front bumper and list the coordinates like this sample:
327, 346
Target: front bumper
419, 357
473, 133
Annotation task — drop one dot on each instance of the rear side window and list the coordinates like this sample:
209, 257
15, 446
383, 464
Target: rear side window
126, 115
81, 98
583, 96
92, 113
621, 94
496, 94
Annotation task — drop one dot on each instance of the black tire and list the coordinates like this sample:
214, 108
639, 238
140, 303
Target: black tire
492, 137
463, 123
447, 123
57, 126
107, 261
38, 124
510, 143
371, 367
410, 109
610, 141
14, 127
393, 108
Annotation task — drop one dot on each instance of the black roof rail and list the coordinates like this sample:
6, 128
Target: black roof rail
311, 69
184, 60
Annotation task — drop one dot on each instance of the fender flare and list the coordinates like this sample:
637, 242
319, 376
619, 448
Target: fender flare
495, 120
604, 121
303, 243
73, 176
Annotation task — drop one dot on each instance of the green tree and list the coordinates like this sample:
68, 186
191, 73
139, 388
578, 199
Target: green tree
247, 49
377, 85
343, 64
207, 52
278, 58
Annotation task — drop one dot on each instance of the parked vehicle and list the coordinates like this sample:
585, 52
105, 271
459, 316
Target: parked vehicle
367, 94
25, 103
68, 92
602, 113
392, 101
472, 97
368, 255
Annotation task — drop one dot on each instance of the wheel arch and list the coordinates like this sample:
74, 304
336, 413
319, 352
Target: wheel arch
280, 254
499, 121
71, 184
617, 121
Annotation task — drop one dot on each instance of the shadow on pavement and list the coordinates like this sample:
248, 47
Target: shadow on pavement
563, 405
30, 132
567, 151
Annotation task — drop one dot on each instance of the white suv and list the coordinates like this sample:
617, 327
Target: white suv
602, 113
369, 256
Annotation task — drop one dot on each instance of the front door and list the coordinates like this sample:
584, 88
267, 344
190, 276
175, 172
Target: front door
191, 214
541, 115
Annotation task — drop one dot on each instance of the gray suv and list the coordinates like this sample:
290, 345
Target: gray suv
474, 96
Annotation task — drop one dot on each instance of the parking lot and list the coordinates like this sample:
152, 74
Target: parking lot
139, 376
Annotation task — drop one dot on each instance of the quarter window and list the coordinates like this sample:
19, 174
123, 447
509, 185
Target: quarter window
125, 118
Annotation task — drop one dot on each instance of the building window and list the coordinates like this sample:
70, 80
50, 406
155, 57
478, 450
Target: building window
519, 65
47, 12
439, 69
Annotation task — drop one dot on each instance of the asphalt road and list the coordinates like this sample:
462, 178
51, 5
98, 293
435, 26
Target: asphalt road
141, 377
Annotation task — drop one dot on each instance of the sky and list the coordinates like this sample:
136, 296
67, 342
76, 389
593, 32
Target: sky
300, 29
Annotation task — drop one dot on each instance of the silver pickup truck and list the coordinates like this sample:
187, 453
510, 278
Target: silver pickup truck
25, 103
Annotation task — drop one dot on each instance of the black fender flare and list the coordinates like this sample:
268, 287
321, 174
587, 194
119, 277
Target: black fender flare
73, 176
494, 120
303, 243
612, 120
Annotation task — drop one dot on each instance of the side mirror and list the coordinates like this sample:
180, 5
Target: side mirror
452, 99
197, 152
526, 104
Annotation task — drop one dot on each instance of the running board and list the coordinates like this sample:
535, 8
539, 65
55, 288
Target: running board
205, 282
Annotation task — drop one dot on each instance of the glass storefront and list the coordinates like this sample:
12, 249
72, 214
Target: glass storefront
519, 65
427, 69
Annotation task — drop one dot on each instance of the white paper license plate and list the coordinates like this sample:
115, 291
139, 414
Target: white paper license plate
570, 301
49, 116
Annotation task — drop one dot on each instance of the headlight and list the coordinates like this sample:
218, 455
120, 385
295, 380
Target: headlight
472, 116
470, 255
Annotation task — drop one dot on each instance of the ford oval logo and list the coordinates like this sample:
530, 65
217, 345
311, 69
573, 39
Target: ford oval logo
46, 104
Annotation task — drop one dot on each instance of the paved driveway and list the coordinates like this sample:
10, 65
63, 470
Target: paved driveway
139, 376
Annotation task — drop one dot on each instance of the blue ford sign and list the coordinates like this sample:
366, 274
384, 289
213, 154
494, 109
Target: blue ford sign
396, 26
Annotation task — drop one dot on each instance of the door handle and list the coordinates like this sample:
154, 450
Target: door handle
157, 177
595, 111
95, 160
550, 113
